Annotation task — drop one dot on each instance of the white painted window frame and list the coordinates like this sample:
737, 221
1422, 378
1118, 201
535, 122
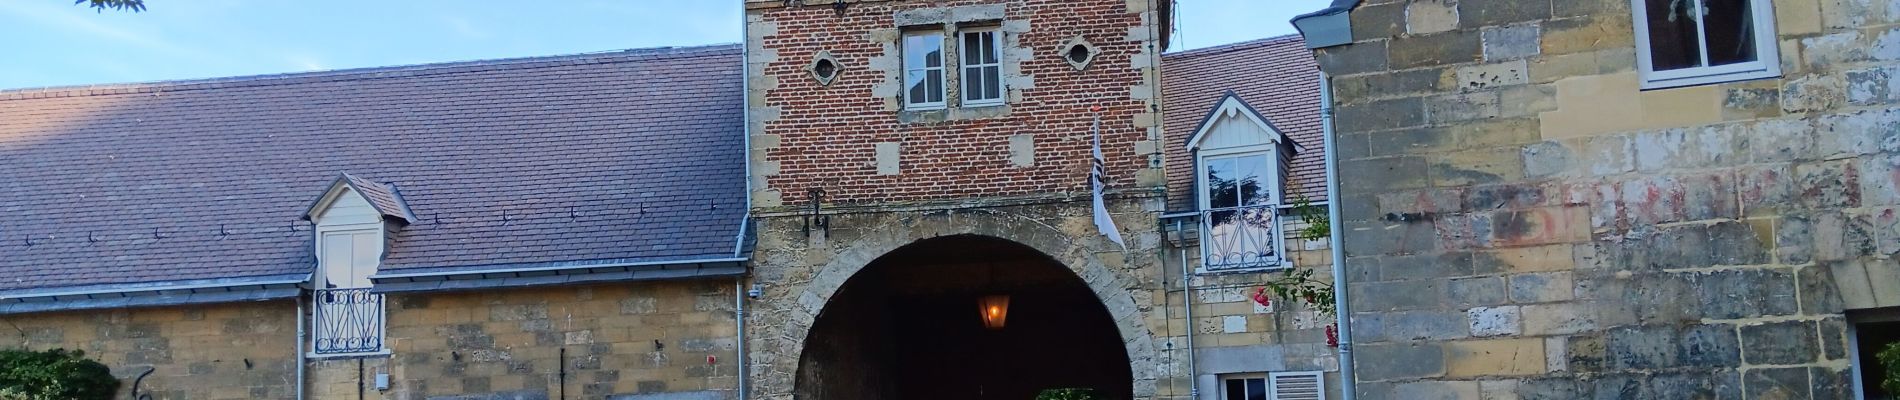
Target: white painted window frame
996, 46
1274, 186
322, 276
1221, 389
1767, 52
1270, 378
943, 83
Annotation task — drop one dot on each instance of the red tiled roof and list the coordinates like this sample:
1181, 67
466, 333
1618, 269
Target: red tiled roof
1277, 76
631, 156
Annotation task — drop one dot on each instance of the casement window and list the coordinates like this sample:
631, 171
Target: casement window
982, 72
1274, 386
1239, 162
1697, 42
923, 70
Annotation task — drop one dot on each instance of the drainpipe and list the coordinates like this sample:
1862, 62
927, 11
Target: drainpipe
1187, 301
1343, 306
745, 222
738, 307
301, 338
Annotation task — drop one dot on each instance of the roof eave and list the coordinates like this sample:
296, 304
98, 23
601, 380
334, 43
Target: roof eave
605, 271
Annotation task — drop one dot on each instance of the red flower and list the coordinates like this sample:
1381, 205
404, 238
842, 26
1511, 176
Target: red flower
1332, 335
1260, 296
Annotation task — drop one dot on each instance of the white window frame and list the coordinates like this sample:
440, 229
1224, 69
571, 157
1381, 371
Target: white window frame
1274, 186
996, 47
941, 69
1269, 378
321, 279
1767, 52
1265, 379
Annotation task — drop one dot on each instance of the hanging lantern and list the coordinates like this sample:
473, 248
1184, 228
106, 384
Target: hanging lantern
995, 309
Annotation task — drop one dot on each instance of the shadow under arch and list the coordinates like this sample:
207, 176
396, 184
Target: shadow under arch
908, 326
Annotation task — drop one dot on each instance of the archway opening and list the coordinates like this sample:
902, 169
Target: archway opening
909, 326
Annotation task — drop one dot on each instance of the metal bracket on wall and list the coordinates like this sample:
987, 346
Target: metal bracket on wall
141, 381
816, 218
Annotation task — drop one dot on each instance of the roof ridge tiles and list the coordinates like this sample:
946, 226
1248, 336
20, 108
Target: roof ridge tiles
1235, 46
380, 72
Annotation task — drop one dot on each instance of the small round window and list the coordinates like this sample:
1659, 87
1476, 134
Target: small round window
824, 68
1078, 52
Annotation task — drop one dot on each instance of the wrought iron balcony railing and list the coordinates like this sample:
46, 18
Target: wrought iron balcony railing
347, 321
1241, 238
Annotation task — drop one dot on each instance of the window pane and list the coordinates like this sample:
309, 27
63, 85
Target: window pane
1221, 191
337, 256
934, 58
1236, 389
367, 254
972, 48
1253, 174
915, 81
1673, 42
935, 79
991, 54
995, 88
1256, 389
972, 84
916, 47
1731, 31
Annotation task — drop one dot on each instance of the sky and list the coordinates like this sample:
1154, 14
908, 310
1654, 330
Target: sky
57, 43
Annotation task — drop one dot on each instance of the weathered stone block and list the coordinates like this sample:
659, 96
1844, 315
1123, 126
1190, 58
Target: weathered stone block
1777, 383
1495, 321
1477, 291
1381, 115
1492, 76
1443, 48
1378, 20
1554, 389
1587, 34
1542, 287
1780, 343
1643, 348
1355, 58
1481, 166
1746, 293
1512, 42
1557, 319
1711, 346
1401, 361
1431, 16
1483, 13
1435, 390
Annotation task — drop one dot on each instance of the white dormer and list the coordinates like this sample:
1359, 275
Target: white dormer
355, 220
1240, 163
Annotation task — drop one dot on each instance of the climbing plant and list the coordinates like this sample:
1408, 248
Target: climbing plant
1317, 226
56, 374
1299, 283
1069, 394
1890, 360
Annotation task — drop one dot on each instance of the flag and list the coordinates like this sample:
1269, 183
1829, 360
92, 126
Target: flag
1098, 179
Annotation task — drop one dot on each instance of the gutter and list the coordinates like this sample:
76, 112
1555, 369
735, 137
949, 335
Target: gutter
151, 296
1327, 27
1343, 305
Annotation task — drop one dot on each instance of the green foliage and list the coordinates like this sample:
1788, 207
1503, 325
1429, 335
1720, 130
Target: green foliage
1299, 284
1069, 394
1890, 360
1317, 226
115, 5
54, 375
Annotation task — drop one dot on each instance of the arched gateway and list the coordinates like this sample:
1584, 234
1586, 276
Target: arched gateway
962, 317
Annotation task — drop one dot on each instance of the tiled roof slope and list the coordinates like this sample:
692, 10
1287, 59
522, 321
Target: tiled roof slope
1277, 76
380, 196
632, 155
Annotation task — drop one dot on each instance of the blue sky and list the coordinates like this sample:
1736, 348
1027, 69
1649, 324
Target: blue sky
56, 43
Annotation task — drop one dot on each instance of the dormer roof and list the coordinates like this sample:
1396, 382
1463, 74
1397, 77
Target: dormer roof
1229, 105
381, 196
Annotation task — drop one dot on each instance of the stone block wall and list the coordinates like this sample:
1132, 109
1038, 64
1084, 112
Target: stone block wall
800, 274
1522, 222
853, 138
642, 338
220, 351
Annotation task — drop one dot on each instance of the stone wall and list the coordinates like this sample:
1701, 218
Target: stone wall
639, 338
853, 138
1234, 334
799, 275
220, 351
1522, 222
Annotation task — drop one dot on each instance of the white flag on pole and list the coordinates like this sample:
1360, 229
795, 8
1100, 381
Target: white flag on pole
1098, 179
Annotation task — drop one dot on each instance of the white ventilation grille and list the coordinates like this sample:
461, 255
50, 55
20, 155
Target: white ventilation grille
1298, 386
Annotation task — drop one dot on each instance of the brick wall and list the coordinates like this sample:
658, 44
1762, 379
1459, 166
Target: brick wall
1522, 222
224, 351
807, 135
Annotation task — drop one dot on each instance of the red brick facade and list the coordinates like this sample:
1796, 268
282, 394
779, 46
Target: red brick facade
824, 136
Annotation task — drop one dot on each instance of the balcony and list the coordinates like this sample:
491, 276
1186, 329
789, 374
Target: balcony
1241, 239
347, 321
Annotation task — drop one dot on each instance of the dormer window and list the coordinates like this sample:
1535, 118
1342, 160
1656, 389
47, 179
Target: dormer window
1240, 163
354, 219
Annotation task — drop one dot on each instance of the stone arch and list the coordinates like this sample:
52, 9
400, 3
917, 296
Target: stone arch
1088, 256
